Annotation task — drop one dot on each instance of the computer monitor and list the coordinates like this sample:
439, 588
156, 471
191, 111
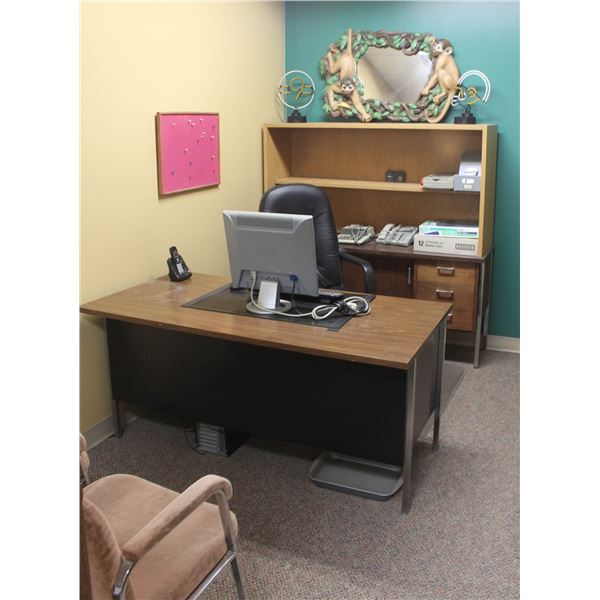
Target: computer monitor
279, 248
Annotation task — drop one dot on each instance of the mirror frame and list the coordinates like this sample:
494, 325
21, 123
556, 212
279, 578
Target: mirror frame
422, 109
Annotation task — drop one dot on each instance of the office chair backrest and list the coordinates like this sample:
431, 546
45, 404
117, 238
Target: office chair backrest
301, 199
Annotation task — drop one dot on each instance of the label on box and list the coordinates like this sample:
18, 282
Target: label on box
445, 245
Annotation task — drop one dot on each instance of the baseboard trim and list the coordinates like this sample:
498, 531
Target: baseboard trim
104, 429
494, 342
504, 344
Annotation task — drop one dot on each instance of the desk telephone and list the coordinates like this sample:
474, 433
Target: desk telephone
356, 234
178, 270
397, 235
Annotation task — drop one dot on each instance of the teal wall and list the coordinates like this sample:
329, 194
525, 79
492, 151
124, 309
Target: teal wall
485, 36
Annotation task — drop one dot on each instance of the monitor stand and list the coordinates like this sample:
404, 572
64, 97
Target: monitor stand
269, 299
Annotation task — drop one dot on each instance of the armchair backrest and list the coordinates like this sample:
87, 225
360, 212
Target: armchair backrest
103, 553
100, 553
301, 199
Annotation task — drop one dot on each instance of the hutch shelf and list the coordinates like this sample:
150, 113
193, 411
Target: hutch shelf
349, 161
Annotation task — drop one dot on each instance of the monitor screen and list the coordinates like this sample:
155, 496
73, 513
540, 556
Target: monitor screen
275, 246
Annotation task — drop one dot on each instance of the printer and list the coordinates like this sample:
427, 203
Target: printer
469, 173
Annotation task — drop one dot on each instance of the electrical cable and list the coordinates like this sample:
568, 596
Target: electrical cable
193, 446
353, 305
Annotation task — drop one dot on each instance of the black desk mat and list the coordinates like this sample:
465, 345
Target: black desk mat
234, 302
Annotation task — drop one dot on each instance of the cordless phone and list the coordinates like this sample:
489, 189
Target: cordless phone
178, 270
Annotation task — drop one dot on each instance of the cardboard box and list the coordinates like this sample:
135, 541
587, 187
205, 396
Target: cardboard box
449, 229
441, 244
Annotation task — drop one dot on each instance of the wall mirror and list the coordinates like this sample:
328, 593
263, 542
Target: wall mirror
405, 77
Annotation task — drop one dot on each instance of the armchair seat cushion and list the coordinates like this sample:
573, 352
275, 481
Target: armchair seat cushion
174, 567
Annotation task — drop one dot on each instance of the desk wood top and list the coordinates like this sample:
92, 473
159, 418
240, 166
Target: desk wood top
390, 336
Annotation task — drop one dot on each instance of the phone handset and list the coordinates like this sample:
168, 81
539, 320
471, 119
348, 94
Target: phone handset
178, 270
385, 233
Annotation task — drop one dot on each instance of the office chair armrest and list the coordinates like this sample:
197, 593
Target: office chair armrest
170, 516
367, 268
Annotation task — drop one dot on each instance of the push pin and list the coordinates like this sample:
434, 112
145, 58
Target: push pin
212, 157
186, 150
203, 134
212, 137
173, 124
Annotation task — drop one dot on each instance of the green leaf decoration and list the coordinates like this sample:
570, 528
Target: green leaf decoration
413, 106
414, 44
358, 37
405, 119
377, 115
377, 103
397, 104
342, 41
436, 111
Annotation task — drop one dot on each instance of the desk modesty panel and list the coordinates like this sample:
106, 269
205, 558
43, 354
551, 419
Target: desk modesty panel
391, 336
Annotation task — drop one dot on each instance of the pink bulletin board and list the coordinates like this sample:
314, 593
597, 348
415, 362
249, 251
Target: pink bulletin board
187, 146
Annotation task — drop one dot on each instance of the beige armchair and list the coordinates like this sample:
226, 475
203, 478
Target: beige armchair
141, 541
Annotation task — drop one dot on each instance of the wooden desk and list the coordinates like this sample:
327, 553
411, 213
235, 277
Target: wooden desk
366, 390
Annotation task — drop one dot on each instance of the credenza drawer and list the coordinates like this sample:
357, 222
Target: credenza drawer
444, 271
450, 281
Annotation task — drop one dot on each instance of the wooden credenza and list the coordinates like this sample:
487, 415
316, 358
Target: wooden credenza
349, 160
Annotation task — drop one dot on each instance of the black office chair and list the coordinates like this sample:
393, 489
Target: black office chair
302, 199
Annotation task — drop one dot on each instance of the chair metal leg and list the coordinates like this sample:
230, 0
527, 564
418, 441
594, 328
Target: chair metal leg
238, 578
231, 540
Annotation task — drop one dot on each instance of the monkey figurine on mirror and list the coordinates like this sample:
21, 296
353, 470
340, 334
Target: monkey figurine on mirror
445, 74
345, 65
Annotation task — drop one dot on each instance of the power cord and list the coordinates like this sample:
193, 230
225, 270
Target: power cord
355, 306
191, 444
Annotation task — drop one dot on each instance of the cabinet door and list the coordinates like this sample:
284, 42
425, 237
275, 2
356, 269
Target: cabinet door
393, 276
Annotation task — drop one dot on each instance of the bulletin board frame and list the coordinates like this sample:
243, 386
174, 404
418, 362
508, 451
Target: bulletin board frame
187, 151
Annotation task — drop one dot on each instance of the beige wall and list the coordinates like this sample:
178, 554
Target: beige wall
138, 59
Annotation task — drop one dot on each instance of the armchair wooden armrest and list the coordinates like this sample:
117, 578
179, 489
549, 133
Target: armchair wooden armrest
174, 513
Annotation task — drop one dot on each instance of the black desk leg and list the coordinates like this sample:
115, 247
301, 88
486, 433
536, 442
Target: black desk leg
116, 418
438, 383
411, 376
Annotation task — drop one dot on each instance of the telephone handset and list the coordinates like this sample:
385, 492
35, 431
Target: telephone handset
178, 270
397, 235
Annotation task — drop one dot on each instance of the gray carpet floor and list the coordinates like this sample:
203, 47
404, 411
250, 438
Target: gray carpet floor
300, 542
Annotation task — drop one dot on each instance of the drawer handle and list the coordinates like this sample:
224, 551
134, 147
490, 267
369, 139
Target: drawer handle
444, 293
449, 317
445, 270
